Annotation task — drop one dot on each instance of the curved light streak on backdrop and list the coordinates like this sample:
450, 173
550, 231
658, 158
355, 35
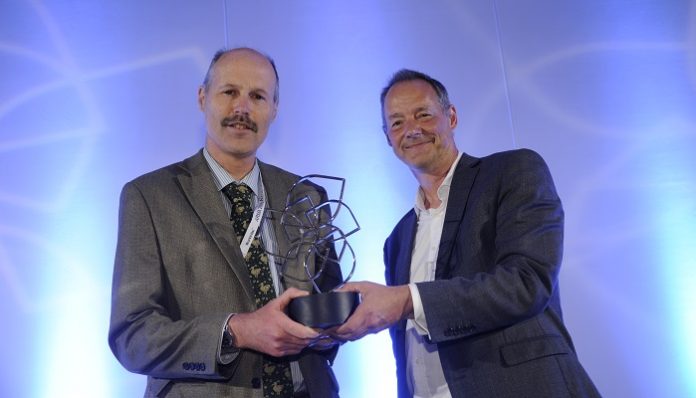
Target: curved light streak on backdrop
94, 94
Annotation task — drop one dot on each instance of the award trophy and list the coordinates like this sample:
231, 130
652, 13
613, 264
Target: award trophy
317, 229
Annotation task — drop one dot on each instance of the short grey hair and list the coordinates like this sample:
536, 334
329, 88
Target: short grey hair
406, 75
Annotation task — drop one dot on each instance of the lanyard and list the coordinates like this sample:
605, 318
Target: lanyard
255, 222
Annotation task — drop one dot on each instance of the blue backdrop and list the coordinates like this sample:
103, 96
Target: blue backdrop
95, 93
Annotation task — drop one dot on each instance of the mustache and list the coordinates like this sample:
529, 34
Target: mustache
242, 119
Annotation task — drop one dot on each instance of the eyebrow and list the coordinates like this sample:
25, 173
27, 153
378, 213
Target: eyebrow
394, 115
236, 86
398, 114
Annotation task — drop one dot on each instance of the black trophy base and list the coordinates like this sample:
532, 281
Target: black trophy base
323, 310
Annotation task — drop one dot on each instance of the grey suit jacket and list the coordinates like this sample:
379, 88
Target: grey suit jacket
178, 274
494, 308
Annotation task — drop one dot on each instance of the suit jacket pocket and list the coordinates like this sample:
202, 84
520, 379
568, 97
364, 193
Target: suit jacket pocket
533, 348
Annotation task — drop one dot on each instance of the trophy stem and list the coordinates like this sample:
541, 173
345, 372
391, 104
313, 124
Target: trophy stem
316, 287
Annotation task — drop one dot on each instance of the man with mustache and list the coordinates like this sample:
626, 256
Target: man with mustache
197, 303
472, 300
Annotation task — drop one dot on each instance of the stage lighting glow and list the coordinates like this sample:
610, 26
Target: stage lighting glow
675, 221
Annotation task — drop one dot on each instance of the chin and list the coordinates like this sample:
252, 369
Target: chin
242, 144
416, 159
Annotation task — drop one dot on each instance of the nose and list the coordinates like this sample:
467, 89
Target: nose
240, 105
413, 130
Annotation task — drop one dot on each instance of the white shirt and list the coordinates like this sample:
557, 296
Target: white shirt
424, 373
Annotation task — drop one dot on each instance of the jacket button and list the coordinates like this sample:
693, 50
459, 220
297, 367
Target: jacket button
256, 382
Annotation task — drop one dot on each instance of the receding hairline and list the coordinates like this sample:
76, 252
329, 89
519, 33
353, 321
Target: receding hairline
232, 51
248, 50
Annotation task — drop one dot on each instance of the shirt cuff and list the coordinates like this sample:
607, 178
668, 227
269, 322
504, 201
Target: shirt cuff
418, 314
226, 351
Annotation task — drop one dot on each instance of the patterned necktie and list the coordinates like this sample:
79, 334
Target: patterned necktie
277, 378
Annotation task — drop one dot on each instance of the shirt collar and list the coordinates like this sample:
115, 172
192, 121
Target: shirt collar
222, 178
442, 190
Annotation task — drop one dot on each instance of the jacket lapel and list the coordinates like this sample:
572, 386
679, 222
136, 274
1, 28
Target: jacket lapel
197, 184
462, 181
403, 261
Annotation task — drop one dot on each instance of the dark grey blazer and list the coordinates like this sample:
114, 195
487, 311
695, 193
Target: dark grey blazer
179, 272
494, 309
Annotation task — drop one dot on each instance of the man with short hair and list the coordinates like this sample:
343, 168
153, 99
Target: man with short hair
198, 304
473, 301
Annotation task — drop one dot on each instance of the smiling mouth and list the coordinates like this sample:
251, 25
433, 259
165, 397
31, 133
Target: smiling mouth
240, 126
416, 144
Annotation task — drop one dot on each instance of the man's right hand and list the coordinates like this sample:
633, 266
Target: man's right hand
270, 330
381, 306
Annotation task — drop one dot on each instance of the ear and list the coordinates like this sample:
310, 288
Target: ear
201, 97
387, 137
452, 113
274, 111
